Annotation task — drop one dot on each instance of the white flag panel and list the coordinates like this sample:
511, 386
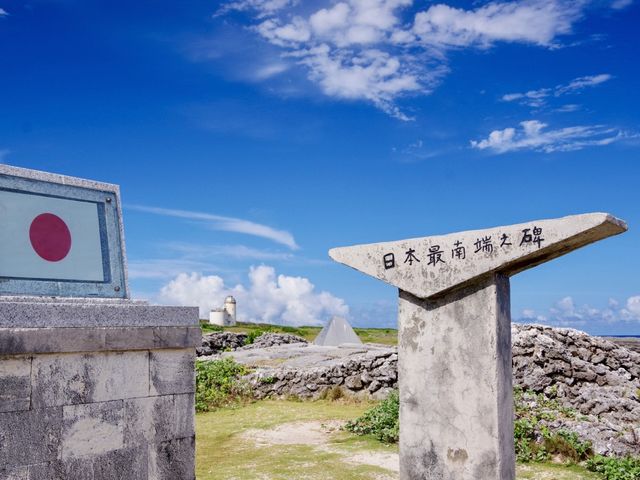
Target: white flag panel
49, 238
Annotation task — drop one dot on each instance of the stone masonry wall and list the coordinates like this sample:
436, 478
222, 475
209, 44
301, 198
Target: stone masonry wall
99, 403
95, 416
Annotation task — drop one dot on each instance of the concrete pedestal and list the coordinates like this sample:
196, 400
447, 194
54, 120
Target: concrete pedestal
454, 368
96, 389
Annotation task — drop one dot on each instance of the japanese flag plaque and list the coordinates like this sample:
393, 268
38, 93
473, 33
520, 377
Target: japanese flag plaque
60, 236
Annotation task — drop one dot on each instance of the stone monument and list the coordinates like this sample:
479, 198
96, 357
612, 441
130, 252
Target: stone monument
337, 332
454, 356
93, 385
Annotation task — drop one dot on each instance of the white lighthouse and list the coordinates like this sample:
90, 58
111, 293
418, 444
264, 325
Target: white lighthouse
225, 316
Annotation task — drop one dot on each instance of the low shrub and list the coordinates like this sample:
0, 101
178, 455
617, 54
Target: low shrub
253, 334
332, 394
612, 468
381, 421
218, 384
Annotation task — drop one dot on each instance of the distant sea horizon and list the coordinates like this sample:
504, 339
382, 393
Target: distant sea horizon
619, 336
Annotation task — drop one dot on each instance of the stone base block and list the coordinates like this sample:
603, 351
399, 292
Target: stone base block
98, 403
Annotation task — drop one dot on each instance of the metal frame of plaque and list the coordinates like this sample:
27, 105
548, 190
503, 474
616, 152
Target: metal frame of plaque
23, 187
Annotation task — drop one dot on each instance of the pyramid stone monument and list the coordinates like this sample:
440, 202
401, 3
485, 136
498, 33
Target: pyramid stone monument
336, 332
454, 338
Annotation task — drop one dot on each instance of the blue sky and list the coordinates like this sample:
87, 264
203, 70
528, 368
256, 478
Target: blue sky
249, 137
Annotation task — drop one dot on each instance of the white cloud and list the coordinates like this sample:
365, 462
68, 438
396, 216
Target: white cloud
565, 313
534, 136
228, 224
380, 51
580, 83
270, 70
535, 21
538, 98
569, 107
633, 307
268, 297
3, 12
620, 4
261, 7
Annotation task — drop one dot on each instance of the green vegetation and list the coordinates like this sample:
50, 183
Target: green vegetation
227, 447
560, 444
218, 385
551, 471
615, 468
387, 336
381, 421
534, 442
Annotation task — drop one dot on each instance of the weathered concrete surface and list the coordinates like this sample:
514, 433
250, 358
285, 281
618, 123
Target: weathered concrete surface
479, 252
63, 313
456, 411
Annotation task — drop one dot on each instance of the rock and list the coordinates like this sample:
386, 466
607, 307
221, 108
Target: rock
268, 339
218, 342
353, 382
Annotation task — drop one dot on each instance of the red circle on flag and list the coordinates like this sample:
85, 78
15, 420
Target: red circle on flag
50, 237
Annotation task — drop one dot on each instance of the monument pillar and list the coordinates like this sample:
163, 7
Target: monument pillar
454, 327
454, 373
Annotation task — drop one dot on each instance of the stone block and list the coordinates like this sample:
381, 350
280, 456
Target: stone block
185, 415
92, 429
172, 371
78, 469
15, 384
17, 341
149, 420
14, 473
30, 437
173, 460
52, 471
68, 379
47, 313
125, 464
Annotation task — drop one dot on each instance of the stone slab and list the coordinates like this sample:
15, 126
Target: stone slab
94, 314
15, 341
125, 464
431, 266
30, 437
15, 384
172, 371
454, 369
173, 460
149, 420
92, 429
14, 473
72, 379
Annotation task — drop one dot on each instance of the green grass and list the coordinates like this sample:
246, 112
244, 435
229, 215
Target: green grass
550, 471
223, 453
387, 336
